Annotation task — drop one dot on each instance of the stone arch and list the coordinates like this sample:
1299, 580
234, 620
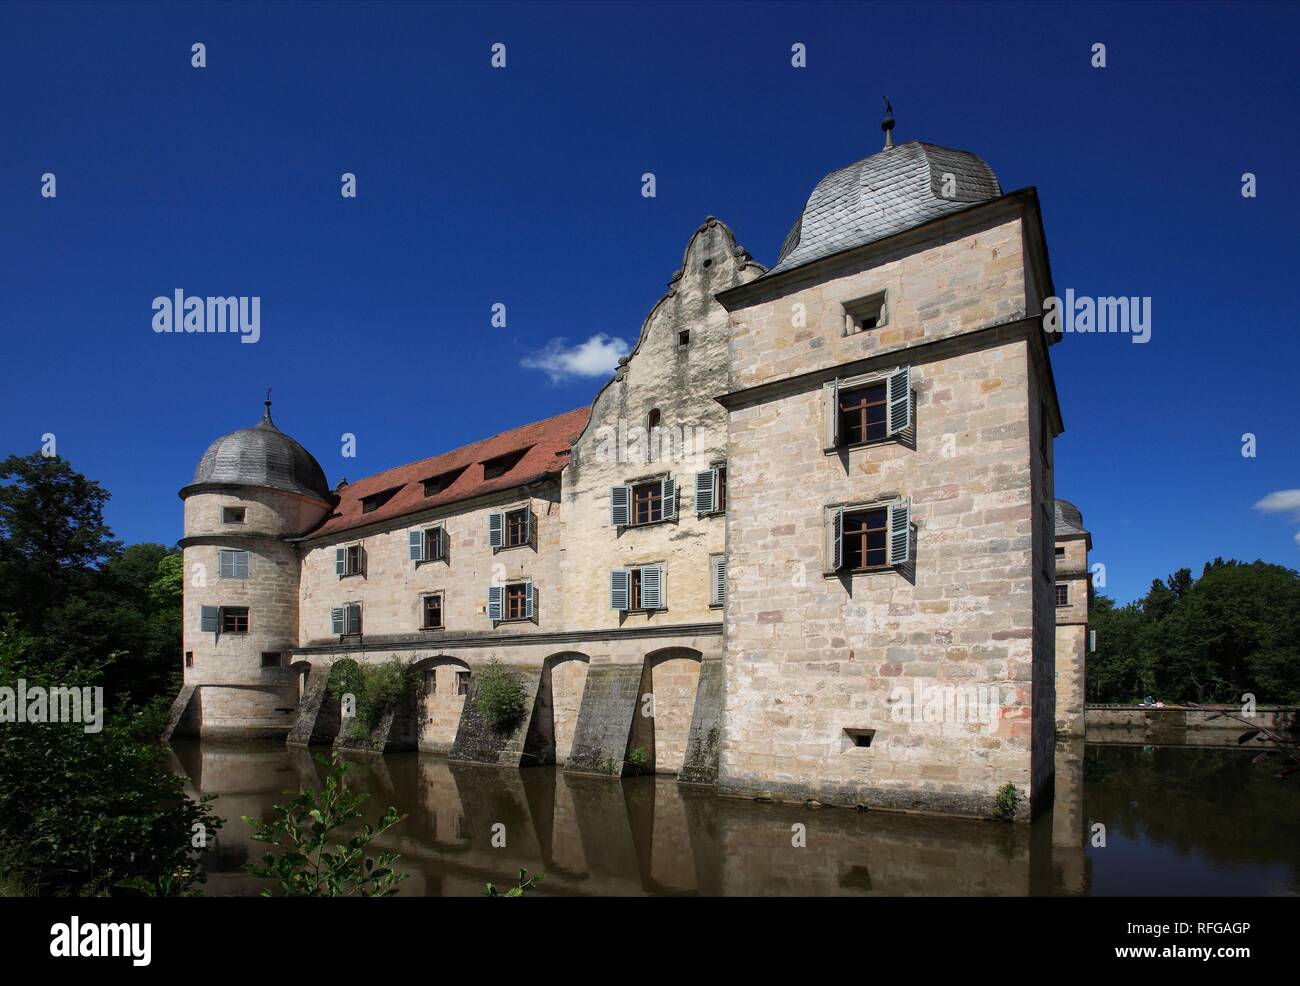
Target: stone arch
671, 675
564, 677
301, 669
439, 700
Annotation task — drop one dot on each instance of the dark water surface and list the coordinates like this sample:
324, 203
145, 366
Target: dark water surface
1178, 821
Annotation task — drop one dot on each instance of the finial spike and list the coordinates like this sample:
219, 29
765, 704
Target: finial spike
266, 415
887, 125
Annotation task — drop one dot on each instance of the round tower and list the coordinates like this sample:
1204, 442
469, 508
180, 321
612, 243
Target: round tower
254, 491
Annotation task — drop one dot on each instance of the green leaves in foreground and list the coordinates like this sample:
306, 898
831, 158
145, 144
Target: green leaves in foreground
526, 882
313, 865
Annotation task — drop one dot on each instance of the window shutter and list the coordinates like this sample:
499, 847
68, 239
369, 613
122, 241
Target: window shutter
652, 587
618, 589
224, 567
837, 539
415, 544
354, 618
209, 619
900, 400
719, 580
530, 600
337, 624
900, 532
619, 500
241, 564
363, 560
830, 415
669, 491
495, 526
528, 525
340, 561
495, 595
704, 486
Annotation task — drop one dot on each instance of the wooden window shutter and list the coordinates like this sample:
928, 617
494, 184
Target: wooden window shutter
704, 487
834, 540
496, 594
496, 526
415, 545
340, 561
719, 580
668, 490
619, 588
209, 619
354, 618
900, 532
620, 498
652, 587
337, 621
900, 400
530, 600
830, 415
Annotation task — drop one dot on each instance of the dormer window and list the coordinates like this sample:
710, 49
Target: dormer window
437, 484
371, 503
864, 314
502, 464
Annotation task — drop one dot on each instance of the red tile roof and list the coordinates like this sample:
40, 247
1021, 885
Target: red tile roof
547, 444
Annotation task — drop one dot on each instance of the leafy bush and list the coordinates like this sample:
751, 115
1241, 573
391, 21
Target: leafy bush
637, 757
377, 689
310, 866
92, 813
1006, 801
499, 697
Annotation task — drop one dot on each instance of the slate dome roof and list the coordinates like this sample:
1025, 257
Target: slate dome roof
1068, 518
263, 456
886, 193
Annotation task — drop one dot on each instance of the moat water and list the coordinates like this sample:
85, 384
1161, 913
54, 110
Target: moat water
1178, 821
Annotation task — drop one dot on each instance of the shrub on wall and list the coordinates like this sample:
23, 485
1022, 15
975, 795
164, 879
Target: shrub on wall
376, 689
499, 697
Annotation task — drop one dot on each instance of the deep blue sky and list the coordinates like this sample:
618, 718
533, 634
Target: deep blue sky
522, 186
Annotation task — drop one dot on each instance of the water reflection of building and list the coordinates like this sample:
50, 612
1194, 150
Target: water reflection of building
642, 835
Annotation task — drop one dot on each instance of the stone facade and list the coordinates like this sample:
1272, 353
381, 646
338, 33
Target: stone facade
668, 627
1074, 583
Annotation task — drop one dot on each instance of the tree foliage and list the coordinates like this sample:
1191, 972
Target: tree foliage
1234, 630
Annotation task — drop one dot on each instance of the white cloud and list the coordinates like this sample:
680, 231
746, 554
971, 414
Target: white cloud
1282, 501
597, 357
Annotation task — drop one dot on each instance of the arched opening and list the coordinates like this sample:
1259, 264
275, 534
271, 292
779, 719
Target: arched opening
661, 724
441, 684
300, 669
566, 675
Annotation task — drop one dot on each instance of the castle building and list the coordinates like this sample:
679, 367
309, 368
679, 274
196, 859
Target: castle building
799, 547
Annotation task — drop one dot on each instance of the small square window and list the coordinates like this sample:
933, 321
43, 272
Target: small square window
683, 338
462, 682
864, 314
272, 659
232, 515
858, 737
1060, 552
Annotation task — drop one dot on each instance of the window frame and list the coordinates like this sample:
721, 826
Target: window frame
462, 682
1062, 589
226, 513
899, 417
900, 542
516, 522
634, 593
223, 553
863, 534
234, 612
425, 599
